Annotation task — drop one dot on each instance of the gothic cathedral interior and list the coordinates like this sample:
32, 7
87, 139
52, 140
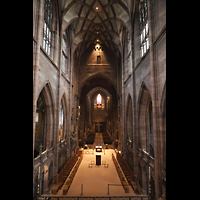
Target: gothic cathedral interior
99, 84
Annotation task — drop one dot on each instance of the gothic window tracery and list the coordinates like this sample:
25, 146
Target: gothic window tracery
64, 52
144, 27
99, 102
47, 29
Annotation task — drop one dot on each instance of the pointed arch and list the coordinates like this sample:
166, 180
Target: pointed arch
65, 111
145, 125
95, 76
128, 136
143, 86
163, 131
48, 88
129, 118
47, 124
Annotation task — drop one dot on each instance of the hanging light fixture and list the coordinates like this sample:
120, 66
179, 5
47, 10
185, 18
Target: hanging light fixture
98, 46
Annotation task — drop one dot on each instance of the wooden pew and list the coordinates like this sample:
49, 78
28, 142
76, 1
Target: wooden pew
127, 171
71, 176
61, 177
121, 175
55, 189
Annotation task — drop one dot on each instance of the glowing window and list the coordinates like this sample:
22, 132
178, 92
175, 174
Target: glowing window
144, 27
98, 99
47, 28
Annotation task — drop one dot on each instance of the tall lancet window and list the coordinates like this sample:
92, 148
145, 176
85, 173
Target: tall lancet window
47, 29
144, 28
61, 135
99, 102
64, 52
99, 99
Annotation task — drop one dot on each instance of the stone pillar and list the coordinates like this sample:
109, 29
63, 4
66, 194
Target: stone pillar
136, 58
36, 64
57, 108
155, 103
122, 110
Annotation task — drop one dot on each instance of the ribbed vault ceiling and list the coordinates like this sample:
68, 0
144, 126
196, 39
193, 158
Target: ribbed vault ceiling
93, 20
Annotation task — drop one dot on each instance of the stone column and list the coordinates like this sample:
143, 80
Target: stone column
36, 65
122, 110
57, 107
135, 55
155, 103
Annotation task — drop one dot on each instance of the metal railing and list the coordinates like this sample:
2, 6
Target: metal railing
81, 197
135, 197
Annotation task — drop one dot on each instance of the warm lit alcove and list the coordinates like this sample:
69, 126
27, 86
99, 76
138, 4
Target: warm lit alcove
99, 102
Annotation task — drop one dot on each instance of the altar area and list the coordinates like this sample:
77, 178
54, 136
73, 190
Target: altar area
98, 142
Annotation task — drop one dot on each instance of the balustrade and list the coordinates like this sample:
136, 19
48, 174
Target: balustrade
43, 156
146, 157
135, 197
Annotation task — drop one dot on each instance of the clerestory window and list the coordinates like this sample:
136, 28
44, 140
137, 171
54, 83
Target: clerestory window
47, 29
144, 27
64, 53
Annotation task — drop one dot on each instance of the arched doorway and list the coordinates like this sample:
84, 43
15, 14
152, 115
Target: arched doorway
44, 120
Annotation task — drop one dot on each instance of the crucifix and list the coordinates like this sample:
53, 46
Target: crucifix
98, 124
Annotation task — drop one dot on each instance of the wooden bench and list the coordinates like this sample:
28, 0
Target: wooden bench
127, 171
55, 189
121, 175
66, 188
64, 173
126, 189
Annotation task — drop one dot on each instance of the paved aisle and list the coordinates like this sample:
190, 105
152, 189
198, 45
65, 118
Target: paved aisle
98, 141
95, 180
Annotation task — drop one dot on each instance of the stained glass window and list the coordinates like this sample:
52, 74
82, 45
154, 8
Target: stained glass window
47, 29
99, 102
64, 52
99, 99
144, 28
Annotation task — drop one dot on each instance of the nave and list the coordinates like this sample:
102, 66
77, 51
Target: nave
100, 175
95, 179
99, 66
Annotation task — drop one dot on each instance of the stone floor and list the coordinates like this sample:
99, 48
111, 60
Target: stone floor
95, 180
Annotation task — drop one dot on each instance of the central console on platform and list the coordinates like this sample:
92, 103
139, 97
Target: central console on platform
98, 148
